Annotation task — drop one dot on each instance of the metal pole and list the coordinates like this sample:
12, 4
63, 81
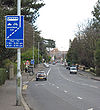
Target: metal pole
19, 76
33, 49
38, 52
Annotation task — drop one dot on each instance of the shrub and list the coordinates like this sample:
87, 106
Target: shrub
97, 58
7, 63
3, 76
97, 71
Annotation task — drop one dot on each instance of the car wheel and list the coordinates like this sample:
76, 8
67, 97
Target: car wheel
45, 79
36, 79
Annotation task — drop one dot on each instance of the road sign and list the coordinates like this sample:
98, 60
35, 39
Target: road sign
14, 32
32, 61
27, 63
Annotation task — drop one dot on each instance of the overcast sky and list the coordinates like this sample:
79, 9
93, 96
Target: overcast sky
59, 19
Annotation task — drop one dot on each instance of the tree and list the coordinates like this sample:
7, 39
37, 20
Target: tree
83, 46
97, 58
9, 7
28, 55
96, 14
42, 46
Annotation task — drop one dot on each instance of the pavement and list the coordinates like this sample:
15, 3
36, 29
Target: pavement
8, 92
89, 75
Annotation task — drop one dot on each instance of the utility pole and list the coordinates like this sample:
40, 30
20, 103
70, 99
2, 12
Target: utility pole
19, 76
33, 49
38, 51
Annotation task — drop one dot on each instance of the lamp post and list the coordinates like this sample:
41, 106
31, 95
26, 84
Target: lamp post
19, 76
38, 51
33, 50
64, 60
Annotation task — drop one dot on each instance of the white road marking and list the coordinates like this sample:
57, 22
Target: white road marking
80, 98
25, 82
93, 86
53, 84
48, 71
65, 91
84, 84
90, 109
40, 84
49, 83
57, 87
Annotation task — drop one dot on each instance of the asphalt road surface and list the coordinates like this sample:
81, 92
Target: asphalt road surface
63, 91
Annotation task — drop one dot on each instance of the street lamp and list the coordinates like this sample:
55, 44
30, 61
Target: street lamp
38, 51
63, 54
33, 21
19, 76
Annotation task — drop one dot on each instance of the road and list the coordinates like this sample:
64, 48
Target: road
63, 91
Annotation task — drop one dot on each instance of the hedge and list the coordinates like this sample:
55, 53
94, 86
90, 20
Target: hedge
3, 76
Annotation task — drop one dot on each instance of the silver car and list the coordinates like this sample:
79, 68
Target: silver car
41, 75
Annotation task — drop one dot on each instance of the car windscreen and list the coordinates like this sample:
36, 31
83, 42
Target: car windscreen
42, 73
73, 69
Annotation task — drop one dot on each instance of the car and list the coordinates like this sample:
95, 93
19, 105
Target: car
30, 70
41, 75
73, 70
46, 65
54, 63
68, 67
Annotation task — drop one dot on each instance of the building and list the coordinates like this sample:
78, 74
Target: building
57, 54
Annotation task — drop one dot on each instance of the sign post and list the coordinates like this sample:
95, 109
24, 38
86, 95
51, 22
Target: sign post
15, 39
19, 76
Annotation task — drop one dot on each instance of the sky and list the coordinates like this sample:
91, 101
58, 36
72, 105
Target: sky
59, 19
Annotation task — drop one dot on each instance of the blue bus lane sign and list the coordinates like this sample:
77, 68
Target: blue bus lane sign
14, 32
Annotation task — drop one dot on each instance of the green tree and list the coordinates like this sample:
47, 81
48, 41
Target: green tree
96, 14
28, 55
30, 9
83, 46
97, 58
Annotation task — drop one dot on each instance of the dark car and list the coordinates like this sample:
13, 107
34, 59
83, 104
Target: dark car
68, 67
30, 70
54, 63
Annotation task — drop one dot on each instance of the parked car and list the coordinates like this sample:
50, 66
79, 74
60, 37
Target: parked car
68, 67
54, 63
46, 65
41, 75
30, 70
73, 70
